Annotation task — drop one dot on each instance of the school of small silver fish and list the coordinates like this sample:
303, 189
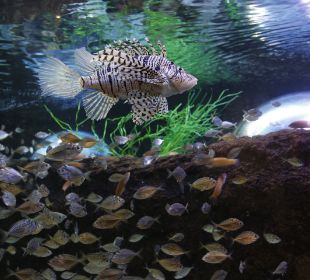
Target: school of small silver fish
102, 250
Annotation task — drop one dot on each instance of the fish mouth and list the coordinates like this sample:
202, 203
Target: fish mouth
190, 83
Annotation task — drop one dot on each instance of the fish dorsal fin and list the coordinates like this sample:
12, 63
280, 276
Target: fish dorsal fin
145, 107
134, 47
85, 61
116, 56
97, 104
126, 67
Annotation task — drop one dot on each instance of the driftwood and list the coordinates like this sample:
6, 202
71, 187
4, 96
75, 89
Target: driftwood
275, 199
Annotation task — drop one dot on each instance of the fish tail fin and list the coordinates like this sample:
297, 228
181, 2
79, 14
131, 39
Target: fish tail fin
202, 246
214, 224
3, 236
170, 173
87, 175
139, 254
157, 219
57, 79
11, 273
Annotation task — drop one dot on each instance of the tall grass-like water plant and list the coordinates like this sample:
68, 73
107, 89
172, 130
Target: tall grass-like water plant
180, 126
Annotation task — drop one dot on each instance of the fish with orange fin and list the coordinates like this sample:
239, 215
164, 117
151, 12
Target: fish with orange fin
246, 237
86, 142
69, 138
122, 184
230, 224
222, 162
64, 151
218, 186
72, 175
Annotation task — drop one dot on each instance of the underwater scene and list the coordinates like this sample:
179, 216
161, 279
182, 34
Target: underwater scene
155, 139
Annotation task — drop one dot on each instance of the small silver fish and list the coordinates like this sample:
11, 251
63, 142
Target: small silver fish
124, 256
77, 210
72, 197
65, 151
176, 209
252, 115
157, 142
176, 237
42, 135
242, 266
228, 125
10, 175
21, 150
3, 160
100, 162
49, 274
19, 130
32, 245
94, 198
71, 174
43, 190
272, 238
212, 133
199, 147
146, 222
112, 202
147, 160
178, 173
135, 238
4, 134
217, 121
24, 228
281, 269
35, 196
183, 272
234, 152
205, 208
8, 199
276, 104
121, 140
219, 275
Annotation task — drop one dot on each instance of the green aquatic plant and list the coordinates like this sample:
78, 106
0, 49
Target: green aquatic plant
180, 126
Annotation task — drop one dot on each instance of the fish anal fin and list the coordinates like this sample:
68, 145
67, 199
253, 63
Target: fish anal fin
97, 104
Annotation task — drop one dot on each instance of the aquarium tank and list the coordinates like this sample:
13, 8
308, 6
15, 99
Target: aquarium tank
154, 139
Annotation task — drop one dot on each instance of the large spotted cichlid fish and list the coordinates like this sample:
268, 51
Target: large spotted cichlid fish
126, 70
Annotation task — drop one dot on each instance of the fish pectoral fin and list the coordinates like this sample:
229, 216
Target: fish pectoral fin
145, 108
85, 61
142, 74
97, 104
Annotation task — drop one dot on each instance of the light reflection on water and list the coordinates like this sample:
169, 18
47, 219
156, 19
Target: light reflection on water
246, 45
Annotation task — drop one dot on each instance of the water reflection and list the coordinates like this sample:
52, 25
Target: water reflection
292, 107
248, 45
